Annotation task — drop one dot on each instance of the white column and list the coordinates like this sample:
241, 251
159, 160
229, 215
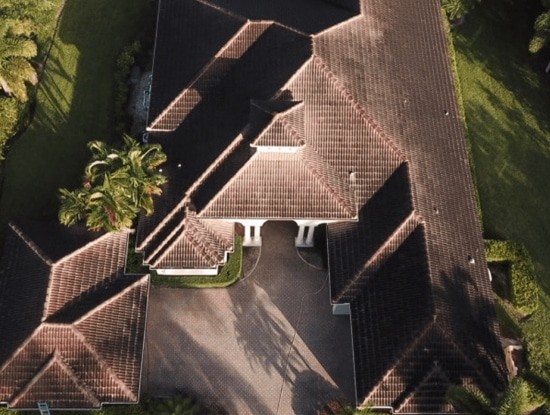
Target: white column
247, 240
309, 240
300, 237
257, 239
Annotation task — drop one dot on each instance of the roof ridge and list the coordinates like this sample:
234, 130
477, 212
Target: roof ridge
22, 346
286, 125
468, 360
139, 280
221, 10
103, 363
385, 251
182, 204
30, 243
337, 25
57, 358
214, 233
210, 66
331, 76
405, 353
435, 368
188, 222
69, 257
168, 241
106, 235
295, 75
351, 210
215, 164
201, 244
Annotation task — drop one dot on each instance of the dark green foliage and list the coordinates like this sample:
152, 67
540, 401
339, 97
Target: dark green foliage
11, 112
514, 401
117, 185
37, 18
469, 400
124, 64
508, 320
230, 273
522, 273
134, 261
542, 31
175, 405
457, 9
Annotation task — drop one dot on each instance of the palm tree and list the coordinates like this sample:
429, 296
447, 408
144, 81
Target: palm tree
16, 51
117, 185
516, 399
542, 32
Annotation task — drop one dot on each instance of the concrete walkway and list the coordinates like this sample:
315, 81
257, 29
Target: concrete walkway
267, 345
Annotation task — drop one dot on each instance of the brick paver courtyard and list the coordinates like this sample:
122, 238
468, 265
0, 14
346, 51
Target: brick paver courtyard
267, 345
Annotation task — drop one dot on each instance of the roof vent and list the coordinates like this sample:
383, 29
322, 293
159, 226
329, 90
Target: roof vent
471, 260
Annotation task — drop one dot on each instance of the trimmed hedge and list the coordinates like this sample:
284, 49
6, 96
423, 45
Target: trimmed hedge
522, 272
230, 273
124, 64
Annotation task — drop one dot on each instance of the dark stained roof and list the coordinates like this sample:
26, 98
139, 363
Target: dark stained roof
308, 16
176, 46
368, 107
72, 328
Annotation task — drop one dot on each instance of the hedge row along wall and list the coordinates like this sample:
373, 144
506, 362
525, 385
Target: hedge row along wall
522, 272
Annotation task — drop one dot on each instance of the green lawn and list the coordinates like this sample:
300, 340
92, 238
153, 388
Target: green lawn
507, 108
74, 103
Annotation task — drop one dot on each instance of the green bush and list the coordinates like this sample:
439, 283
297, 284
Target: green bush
522, 272
230, 273
124, 64
456, 9
11, 114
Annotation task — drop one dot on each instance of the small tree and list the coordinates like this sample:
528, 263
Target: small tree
516, 399
117, 185
457, 9
16, 51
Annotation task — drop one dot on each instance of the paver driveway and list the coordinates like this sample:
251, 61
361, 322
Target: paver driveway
267, 345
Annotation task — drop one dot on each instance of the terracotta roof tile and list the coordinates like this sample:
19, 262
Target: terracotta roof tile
286, 128
338, 130
259, 190
210, 76
58, 382
177, 59
381, 137
201, 243
52, 360
99, 262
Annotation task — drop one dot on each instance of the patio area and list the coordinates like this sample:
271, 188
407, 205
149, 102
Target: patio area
267, 345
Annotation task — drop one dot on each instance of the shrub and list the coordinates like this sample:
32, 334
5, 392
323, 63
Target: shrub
457, 9
230, 273
522, 272
11, 115
124, 64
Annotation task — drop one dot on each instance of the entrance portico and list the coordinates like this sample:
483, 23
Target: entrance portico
253, 234
252, 231
306, 229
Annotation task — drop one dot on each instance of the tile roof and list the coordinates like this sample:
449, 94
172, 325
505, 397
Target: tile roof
198, 243
358, 122
309, 16
79, 340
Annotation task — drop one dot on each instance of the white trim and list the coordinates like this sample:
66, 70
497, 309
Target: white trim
187, 271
